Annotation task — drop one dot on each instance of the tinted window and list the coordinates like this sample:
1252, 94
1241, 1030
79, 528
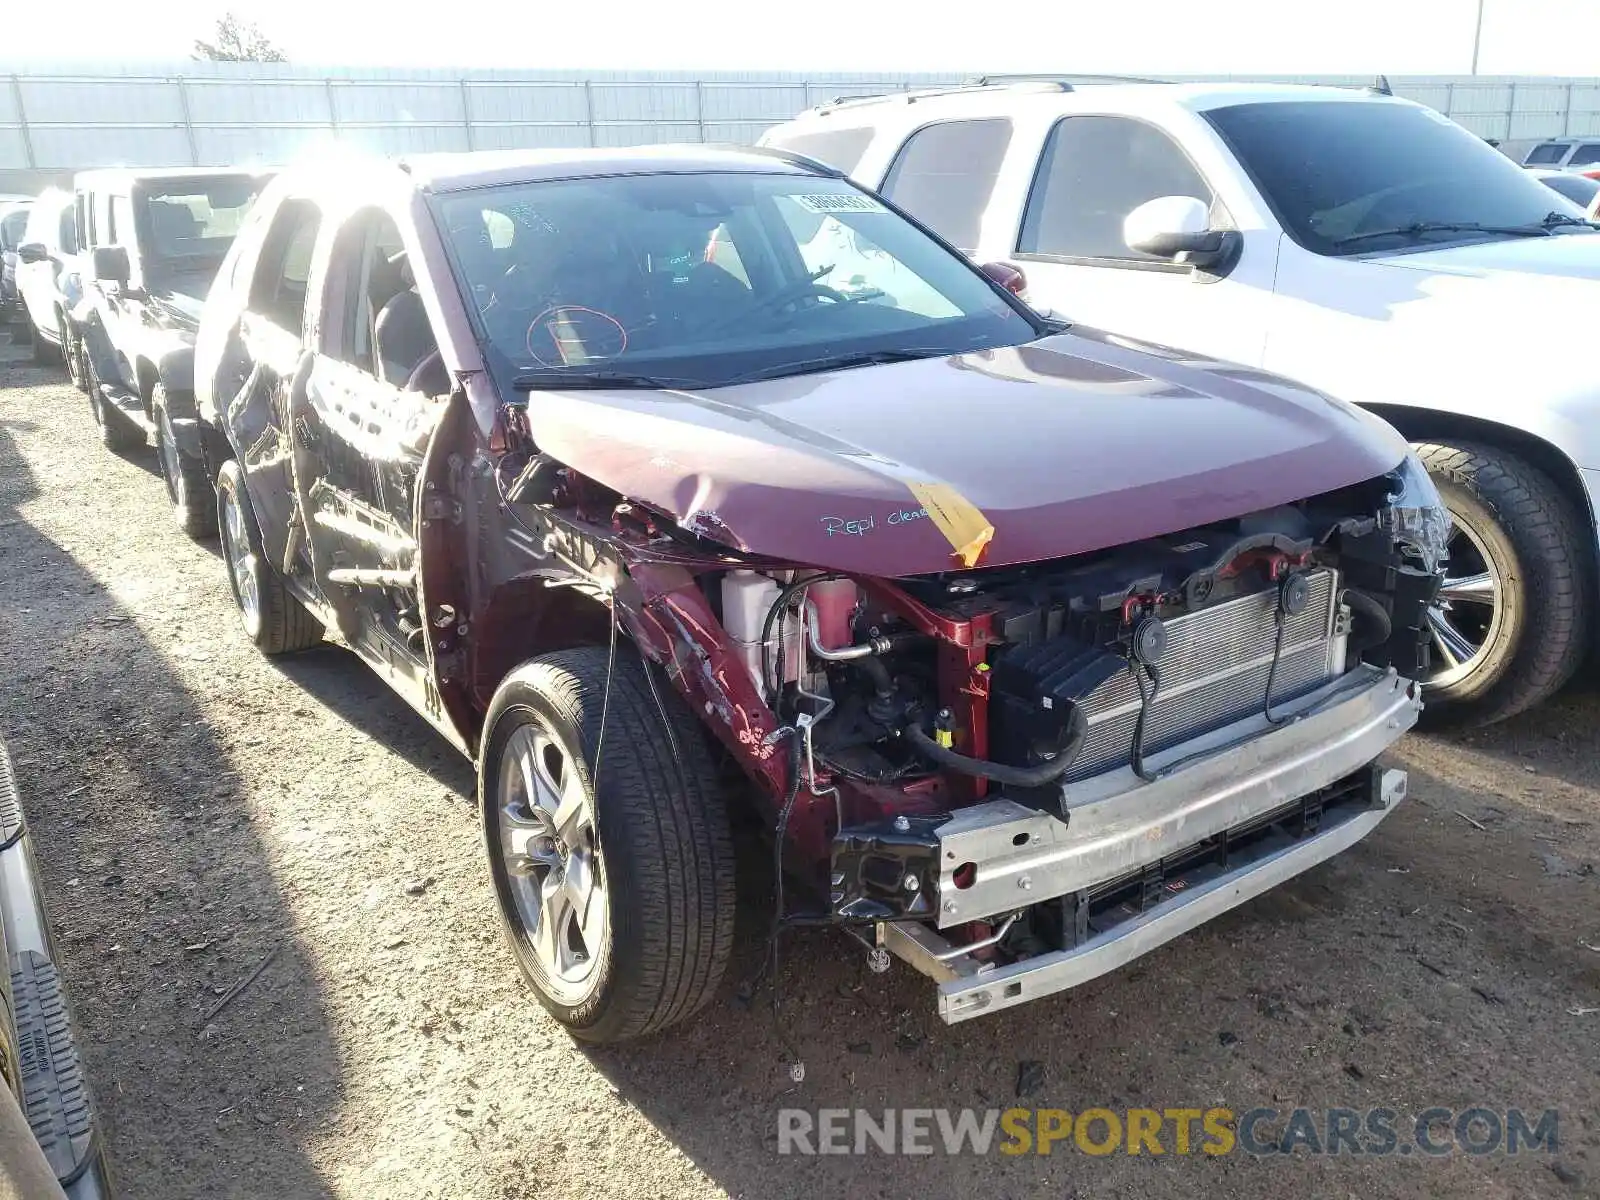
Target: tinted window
1352, 176
945, 173
1093, 173
840, 148
704, 280
11, 227
1546, 155
67, 229
278, 288
1577, 188
120, 230
1585, 155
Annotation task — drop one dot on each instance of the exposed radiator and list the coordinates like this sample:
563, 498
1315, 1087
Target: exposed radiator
1214, 672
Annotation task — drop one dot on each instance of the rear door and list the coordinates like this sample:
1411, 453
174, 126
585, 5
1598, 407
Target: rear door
262, 334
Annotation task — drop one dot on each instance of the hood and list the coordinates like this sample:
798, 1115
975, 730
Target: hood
1570, 256
182, 293
1075, 443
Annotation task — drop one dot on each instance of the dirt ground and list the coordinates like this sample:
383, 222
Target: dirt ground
197, 808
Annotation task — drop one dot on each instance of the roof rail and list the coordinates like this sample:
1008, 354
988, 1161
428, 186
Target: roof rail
1065, 82
911, 96
794, 158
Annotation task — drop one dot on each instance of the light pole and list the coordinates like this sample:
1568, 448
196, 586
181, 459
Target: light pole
1477, 37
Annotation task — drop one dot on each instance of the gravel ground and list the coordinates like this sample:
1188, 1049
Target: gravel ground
197, 809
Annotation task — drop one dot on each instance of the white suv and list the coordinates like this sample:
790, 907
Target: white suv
1357, 242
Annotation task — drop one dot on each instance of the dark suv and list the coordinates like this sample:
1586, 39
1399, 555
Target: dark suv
154, 241
1032, 647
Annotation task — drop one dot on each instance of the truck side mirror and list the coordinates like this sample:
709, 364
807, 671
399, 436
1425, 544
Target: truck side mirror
32, 252
1179, 228
111, 264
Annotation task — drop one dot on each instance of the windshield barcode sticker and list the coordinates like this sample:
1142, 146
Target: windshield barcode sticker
839, 202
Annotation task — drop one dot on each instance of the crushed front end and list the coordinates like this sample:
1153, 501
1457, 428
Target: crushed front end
1032, 775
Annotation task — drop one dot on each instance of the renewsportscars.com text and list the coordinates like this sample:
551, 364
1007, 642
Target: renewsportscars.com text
1262, 1132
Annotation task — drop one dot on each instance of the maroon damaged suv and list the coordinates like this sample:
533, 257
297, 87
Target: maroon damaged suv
1035, 647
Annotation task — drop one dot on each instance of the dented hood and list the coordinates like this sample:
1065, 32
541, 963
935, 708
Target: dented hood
1074, 443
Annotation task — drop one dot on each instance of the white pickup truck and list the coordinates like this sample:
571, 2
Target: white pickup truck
1357, 242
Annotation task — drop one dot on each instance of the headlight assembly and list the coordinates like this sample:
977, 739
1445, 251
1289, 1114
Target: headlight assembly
1414, 515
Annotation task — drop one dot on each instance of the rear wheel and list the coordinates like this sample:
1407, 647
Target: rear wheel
194, 504
117, 432
273, 617
1511, 624
72, 350
617, 894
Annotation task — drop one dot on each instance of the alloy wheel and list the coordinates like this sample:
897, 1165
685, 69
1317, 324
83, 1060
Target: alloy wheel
1466, 618
241, 560
171, 464
550, 849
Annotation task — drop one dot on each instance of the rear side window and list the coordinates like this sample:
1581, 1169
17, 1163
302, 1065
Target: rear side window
1546, 155
1577, 188
278, 287
120, 231
1093, 173
841, 148
67, 229
1585, 155
945, 173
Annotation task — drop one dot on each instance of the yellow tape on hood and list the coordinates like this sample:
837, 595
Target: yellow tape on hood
966, 529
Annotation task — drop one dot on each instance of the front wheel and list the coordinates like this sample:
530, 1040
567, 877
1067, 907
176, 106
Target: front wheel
273, 617
1511, 623
611, 856
194, 504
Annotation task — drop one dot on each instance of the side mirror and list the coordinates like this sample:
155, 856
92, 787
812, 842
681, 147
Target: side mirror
1007, 276
1179, 228
32, 252
111, 264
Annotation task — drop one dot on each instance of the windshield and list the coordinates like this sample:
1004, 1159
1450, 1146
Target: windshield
1338, 173
707, 279
196, 218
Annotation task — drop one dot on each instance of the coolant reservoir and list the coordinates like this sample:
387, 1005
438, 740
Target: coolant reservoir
834, 601
747, 598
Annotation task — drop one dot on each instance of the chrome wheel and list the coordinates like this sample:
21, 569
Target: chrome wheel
1467, 617
241, 561
552, 859
171, 464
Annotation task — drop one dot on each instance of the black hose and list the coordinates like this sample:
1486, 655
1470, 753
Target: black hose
1369, 608
1022, 777
873, 668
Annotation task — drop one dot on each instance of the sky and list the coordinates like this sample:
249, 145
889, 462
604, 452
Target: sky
1401, 37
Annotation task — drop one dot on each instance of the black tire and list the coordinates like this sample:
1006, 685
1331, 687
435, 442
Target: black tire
1537, 548
77, 361
664, 841
278, 623
117, 433
194, 503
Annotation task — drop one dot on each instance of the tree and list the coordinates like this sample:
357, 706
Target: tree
237, 41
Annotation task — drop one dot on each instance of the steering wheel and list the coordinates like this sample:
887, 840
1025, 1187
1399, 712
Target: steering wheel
800, 289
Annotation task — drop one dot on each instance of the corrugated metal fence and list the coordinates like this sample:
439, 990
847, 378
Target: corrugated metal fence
58, 119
